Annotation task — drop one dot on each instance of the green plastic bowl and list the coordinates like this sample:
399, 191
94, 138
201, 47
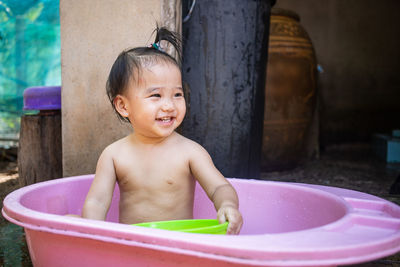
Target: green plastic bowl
199, 226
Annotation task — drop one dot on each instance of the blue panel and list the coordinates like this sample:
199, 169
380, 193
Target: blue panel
393, 150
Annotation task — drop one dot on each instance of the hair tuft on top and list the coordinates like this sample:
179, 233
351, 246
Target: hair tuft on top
163, 34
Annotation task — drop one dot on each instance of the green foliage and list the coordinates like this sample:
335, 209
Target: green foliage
34, 12
29, 53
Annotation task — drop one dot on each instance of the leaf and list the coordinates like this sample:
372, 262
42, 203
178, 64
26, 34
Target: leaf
34, 12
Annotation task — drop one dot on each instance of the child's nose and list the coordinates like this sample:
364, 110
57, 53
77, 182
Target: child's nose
167, 105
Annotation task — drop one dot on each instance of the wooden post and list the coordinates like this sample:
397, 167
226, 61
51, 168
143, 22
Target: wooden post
224, 54
40, 148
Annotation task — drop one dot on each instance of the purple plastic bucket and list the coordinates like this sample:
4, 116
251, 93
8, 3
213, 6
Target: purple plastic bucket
42, 98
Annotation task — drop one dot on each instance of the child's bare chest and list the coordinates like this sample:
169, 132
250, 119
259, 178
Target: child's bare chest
153, 172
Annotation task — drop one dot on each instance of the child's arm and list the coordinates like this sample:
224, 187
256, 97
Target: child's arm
218, 189
226, 203
98, 200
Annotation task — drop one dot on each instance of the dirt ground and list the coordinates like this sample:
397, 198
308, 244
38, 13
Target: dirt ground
8, 178
8, 171
13, 248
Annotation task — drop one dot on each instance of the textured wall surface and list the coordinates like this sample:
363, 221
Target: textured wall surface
93, 33
357, 43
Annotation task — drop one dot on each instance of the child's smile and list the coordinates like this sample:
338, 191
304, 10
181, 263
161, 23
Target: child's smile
166, 120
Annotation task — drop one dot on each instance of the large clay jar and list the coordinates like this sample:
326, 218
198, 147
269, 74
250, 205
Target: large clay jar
290, 92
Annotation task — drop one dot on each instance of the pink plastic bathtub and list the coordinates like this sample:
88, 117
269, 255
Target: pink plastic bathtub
284, 225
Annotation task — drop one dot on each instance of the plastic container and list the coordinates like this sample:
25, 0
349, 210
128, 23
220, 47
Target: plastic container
284, 225
42, 98
199, 226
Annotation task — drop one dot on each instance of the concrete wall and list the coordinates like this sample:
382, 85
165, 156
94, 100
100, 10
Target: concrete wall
357, 42
93, 33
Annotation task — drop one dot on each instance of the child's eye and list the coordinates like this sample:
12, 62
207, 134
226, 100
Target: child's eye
178, 94
155, 95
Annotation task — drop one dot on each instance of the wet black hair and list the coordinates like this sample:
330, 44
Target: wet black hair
129, 63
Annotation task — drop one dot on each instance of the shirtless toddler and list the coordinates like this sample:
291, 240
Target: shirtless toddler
155, 167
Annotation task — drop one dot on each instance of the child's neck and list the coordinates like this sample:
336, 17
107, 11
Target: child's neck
146, 140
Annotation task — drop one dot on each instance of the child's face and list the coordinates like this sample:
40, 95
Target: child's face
155, 105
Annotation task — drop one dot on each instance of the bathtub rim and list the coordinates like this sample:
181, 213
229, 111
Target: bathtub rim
22, 213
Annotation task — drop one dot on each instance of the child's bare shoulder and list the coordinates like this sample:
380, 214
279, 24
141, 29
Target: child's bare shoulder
115, 147
191, 147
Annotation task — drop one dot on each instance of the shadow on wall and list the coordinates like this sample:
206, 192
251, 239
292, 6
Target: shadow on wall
356, 43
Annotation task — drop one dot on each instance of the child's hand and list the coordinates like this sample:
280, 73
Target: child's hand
233, 216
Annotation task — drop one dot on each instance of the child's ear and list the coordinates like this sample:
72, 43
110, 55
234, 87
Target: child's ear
120, 104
